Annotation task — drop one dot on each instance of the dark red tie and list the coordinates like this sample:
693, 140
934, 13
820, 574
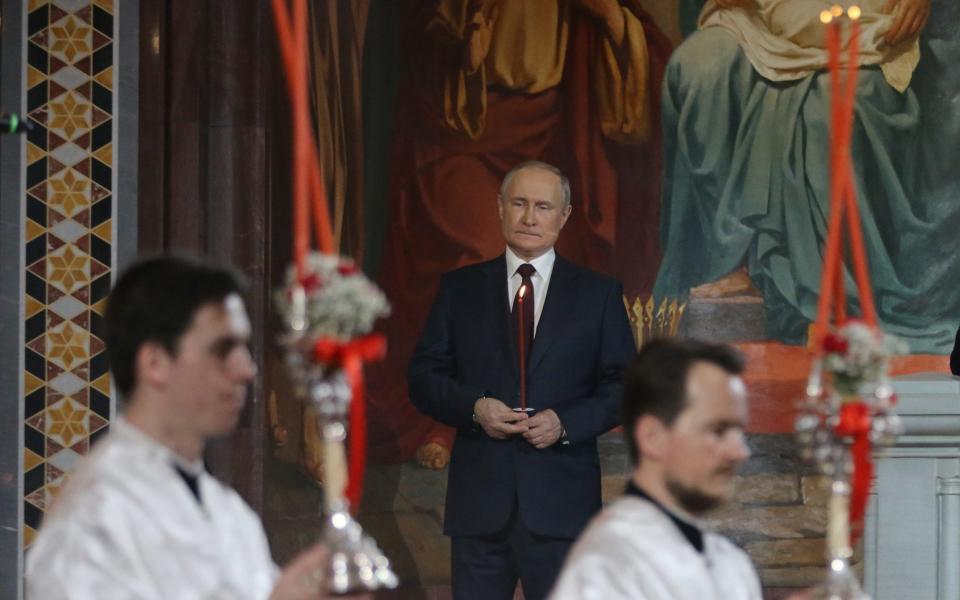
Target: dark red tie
526, 272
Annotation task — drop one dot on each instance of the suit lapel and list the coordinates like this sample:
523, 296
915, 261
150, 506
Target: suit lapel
556, 310
498, 320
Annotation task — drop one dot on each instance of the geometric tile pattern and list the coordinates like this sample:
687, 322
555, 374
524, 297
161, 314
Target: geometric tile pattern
68, 224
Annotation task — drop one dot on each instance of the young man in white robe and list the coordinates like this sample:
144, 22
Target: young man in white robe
140, 517
683, 414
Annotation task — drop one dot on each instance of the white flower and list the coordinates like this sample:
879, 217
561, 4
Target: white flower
865, 359
341, 301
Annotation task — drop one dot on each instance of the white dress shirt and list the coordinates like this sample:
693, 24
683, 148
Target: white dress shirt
541, 280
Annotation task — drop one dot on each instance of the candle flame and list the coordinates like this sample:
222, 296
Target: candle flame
522, 292
826, 16
854, 12
837, 10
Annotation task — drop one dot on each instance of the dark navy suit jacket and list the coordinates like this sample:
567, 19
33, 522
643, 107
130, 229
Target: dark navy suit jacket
582, 343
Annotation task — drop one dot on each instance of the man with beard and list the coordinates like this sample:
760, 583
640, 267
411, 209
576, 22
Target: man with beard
684, 411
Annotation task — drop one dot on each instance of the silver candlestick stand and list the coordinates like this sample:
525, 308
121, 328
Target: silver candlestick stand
816, 431
356, 563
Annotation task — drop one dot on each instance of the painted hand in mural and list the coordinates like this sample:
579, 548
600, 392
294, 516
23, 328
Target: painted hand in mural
609, 12
910, 17
482, 14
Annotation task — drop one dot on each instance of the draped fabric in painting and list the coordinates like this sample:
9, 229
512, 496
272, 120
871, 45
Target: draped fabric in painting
746, 183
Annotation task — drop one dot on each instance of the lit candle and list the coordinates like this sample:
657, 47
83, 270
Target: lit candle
843, 126
868, 308
837, 173
521, 334
853, 60
833, 62
838, 521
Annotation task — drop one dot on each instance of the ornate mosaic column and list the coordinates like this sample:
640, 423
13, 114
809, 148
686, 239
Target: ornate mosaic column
68, 252
68, 231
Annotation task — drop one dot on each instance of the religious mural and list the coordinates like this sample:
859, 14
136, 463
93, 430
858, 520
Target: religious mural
746, 178
695, 136
488, 85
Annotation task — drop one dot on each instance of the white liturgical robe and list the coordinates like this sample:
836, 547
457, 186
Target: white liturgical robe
633, 550
127, 526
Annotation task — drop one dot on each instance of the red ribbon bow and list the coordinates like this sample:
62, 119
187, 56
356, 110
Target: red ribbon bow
855, 422
350, 356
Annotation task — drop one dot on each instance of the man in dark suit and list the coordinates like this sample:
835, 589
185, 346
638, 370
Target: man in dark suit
522, 485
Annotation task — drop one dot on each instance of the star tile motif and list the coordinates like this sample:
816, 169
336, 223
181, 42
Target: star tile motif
68, 345
71, 39
67, 422
69, 193
68, 269
70, 114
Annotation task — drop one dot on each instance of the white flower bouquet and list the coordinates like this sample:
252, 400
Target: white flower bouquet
857, 355
336, 299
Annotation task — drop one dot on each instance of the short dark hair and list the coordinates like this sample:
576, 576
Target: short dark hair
155, 301
655, 383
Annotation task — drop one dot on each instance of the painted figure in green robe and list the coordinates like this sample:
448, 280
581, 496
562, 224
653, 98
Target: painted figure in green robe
746, 150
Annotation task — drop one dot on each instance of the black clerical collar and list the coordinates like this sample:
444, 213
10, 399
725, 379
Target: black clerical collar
192, 481
689, 531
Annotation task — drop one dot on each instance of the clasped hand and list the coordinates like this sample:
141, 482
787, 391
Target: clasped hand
499, 421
